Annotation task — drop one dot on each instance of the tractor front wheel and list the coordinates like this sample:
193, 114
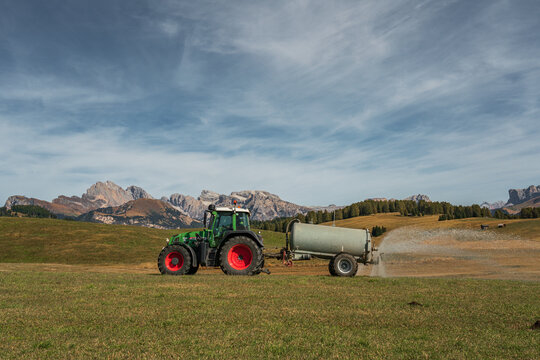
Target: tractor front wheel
174, 260
241, 256
193, 270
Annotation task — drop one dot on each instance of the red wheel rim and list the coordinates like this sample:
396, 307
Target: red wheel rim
174, 261
240, 257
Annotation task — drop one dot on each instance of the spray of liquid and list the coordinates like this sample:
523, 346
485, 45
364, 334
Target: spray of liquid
407, 245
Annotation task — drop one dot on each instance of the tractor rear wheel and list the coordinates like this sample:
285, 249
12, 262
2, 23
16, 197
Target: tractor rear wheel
241, 256
174, 260
344, 265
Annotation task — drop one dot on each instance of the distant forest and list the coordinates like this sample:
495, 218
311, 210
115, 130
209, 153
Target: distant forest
27, 211
446, 211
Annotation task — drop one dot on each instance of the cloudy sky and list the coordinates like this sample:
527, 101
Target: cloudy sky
317, 101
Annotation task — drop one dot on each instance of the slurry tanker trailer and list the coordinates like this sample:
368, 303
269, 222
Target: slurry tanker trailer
342, 246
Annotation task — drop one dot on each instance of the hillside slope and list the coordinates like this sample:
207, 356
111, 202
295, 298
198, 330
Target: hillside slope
27, 240
526, 228
516, 209
142, 212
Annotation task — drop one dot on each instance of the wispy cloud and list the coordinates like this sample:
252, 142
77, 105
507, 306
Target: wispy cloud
320, 102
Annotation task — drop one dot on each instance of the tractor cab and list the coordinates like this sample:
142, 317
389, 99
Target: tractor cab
219, 221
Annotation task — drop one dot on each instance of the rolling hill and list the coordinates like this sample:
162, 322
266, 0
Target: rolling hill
28, 240
72, 242
526, 228
142, 212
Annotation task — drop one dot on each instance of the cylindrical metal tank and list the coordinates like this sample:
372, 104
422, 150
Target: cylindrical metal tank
327, 241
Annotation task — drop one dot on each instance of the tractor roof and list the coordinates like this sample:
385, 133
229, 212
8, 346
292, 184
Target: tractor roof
218, 209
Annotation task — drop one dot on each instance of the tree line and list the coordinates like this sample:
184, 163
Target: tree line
525, 213
368, 207
33, 211
530, 213
378, 230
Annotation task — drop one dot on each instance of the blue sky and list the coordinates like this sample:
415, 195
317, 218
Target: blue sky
317, 101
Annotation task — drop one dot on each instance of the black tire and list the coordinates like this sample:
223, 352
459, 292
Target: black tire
170, 258
344, 265
331, 267
193, 270
241, 255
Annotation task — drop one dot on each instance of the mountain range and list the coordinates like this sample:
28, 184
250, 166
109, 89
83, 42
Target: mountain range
262, 204
517, 199
99, 195
109, 203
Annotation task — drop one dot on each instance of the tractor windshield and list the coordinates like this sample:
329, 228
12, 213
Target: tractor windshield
242, 221
224, 221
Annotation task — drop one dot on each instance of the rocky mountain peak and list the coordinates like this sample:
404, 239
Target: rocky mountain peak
244, 195
209, 197
187, 205
138, 192
418, 197
22, 200
107, 192
518, 196
494, 205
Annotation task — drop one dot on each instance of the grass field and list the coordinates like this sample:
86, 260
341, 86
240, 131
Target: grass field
82, 290
90, 315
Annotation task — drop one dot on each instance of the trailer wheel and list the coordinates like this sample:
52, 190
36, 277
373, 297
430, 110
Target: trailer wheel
331, 267
344, 265
174, 260
241, 256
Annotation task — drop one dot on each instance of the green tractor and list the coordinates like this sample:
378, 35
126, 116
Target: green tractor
226, 241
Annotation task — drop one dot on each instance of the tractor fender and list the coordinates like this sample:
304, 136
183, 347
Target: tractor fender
247, 233
195, 260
